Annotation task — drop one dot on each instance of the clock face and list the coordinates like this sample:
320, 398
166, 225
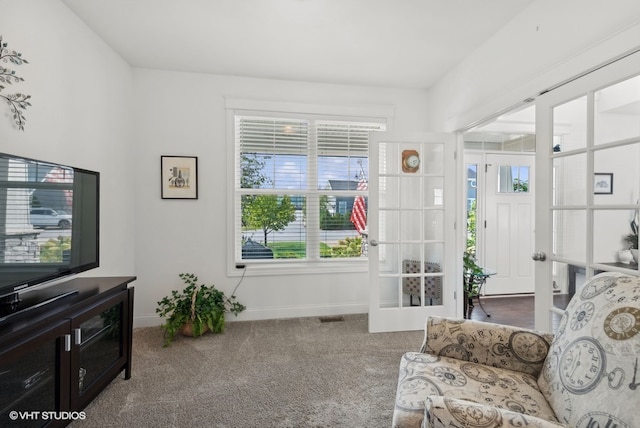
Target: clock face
413, 392
450, 376
596, 286
484, 336
479, 372
471, 414
455, 351
410, 160
413, 161
617, 328
529, 347
582, 315
622, 323
600, 419
582, 365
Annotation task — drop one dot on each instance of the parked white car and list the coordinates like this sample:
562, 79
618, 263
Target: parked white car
48, 217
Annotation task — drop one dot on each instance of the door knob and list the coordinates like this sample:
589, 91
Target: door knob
373, 243
539, 256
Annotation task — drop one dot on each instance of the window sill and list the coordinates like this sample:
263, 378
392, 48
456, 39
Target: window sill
257, 268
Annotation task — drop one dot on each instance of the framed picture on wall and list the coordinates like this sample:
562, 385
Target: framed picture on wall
603, 183
179, 176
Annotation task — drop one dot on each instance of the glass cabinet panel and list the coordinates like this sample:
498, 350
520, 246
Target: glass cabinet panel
30, 382
100, 345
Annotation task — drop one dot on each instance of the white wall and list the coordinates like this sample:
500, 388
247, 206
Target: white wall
547, 43
183, 114
80, 116
80, 113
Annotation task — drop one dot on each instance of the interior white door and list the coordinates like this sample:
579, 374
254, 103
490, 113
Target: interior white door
509, 223
588, 180
411, 230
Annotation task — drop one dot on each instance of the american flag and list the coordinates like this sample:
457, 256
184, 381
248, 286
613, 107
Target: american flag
359, 212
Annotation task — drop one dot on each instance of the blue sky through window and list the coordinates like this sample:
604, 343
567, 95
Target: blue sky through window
290, 171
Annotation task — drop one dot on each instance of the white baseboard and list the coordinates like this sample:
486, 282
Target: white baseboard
152, 320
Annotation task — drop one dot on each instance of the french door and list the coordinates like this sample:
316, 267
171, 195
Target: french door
587, 180
412, 261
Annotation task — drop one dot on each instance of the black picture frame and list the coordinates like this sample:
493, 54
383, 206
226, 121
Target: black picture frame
603, 183
179, 177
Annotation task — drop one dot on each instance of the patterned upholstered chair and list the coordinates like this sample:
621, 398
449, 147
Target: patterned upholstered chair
475, 374
432, 284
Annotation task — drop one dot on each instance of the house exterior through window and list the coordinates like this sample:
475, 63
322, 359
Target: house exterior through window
300, 187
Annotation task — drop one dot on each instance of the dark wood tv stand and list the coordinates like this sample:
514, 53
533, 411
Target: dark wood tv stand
57, 357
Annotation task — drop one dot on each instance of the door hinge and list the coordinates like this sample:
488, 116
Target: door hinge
455, 295
485, 224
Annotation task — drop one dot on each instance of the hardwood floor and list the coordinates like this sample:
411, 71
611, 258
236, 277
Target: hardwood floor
513, 310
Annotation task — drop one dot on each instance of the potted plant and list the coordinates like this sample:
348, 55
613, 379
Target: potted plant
195, 309
632, 240
471, 268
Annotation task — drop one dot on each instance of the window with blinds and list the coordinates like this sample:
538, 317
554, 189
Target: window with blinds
34, 197
301, 188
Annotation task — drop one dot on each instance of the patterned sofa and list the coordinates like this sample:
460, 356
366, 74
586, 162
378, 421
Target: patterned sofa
475, 374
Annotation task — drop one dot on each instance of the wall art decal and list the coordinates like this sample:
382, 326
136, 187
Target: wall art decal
17, 102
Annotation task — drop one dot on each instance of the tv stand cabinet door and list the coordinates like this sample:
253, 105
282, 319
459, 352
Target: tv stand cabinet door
100, 348
34, 376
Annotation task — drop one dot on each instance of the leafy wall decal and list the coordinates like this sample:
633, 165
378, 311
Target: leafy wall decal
17, 102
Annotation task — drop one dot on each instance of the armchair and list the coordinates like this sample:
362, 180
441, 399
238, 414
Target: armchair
478, 374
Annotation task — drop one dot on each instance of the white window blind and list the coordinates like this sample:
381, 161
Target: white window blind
34, 196
296, 183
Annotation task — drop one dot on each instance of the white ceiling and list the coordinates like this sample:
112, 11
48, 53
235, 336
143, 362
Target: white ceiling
393, 43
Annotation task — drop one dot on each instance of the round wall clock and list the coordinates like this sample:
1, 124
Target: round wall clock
410, 161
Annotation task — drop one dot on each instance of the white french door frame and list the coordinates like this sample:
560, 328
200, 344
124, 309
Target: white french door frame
587, 85
411, 225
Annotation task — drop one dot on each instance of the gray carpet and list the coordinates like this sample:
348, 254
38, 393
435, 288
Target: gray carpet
278, 373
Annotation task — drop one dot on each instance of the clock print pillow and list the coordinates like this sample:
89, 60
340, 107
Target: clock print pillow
591, 376
491, 344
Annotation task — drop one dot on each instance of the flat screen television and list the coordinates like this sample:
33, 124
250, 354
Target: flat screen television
49, 223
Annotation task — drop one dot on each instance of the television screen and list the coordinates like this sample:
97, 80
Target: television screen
49, 222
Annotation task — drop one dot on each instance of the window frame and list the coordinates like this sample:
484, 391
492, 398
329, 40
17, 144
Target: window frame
382, 114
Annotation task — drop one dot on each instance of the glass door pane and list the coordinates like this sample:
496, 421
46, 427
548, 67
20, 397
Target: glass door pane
589, 131
617, 112
596, 182
30, 379
569, 187
101, 345
570, 125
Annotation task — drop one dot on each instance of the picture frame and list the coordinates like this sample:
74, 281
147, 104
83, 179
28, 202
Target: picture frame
603, 183
179, 177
